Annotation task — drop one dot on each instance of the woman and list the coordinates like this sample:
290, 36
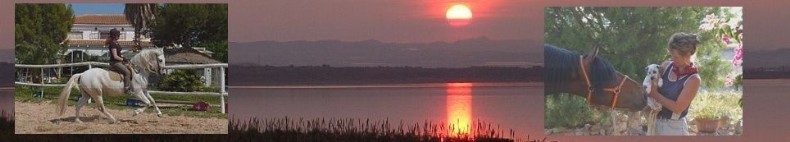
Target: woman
681, 82
116, 61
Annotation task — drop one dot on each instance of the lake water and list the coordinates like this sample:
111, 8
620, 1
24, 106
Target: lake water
463, 104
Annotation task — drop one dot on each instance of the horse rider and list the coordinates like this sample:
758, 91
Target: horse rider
117, 62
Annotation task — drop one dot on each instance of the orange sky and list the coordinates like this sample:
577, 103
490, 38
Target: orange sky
384, 20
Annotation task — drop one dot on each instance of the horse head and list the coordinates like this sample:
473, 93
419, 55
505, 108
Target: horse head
610, 87
150, 60
592, 77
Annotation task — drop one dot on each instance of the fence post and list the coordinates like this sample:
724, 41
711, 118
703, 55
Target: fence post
222, 88
42, 83
71, 71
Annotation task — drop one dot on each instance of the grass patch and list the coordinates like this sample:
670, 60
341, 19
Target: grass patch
25, 94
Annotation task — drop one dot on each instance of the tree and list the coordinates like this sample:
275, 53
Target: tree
632, 38
140, 16
190, 24
220, 50
41, 32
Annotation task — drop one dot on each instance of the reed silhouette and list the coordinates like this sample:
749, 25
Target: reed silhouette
335, 129
6, 125
289, 129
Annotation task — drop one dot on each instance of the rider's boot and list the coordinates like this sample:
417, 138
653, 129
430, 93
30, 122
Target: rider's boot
127, 89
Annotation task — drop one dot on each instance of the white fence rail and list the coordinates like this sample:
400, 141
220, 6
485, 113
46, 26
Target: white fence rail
222, 93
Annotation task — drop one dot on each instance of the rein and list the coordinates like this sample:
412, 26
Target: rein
129, 65
615, 91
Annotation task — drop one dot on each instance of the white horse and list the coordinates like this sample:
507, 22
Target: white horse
96, 82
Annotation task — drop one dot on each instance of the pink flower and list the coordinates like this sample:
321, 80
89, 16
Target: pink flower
725, 39
738, 58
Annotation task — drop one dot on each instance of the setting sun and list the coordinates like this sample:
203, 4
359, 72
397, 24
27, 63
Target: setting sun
459, 15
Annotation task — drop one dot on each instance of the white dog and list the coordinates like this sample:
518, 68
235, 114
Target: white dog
652, 75
655, 107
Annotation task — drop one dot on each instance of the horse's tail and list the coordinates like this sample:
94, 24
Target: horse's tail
64, 95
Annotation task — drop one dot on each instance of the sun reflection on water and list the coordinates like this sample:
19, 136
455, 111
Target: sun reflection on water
459, 108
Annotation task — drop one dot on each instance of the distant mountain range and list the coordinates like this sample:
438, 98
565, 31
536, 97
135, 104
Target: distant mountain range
464, 53
323, 75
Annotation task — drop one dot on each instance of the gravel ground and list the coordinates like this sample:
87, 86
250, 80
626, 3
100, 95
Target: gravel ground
42, 118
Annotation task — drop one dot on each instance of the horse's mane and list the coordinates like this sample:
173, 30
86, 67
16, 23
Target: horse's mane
562, 66
145, 58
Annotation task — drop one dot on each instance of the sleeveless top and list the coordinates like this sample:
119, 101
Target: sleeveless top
672, 90
114, 45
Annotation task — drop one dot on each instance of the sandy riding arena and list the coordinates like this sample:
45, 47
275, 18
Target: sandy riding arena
42, 118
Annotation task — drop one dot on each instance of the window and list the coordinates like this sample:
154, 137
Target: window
104, 35
94, 35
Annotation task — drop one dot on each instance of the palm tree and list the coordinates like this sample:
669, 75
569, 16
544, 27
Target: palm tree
140, 15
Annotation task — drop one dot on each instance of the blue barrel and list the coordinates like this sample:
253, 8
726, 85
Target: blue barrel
133, 102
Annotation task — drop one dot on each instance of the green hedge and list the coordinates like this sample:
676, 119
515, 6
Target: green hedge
569, 111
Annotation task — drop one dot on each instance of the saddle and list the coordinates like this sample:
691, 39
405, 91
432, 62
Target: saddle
118, 76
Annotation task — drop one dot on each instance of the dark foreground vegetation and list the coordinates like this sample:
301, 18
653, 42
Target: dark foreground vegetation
299, 130
6, 126
289, 129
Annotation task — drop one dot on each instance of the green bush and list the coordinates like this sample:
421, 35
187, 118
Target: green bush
714, 105
564, 110
181, 81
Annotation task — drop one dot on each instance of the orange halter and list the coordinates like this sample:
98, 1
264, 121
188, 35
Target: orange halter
615, 91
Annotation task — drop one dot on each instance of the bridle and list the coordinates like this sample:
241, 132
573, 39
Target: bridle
158, 67
615, 91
